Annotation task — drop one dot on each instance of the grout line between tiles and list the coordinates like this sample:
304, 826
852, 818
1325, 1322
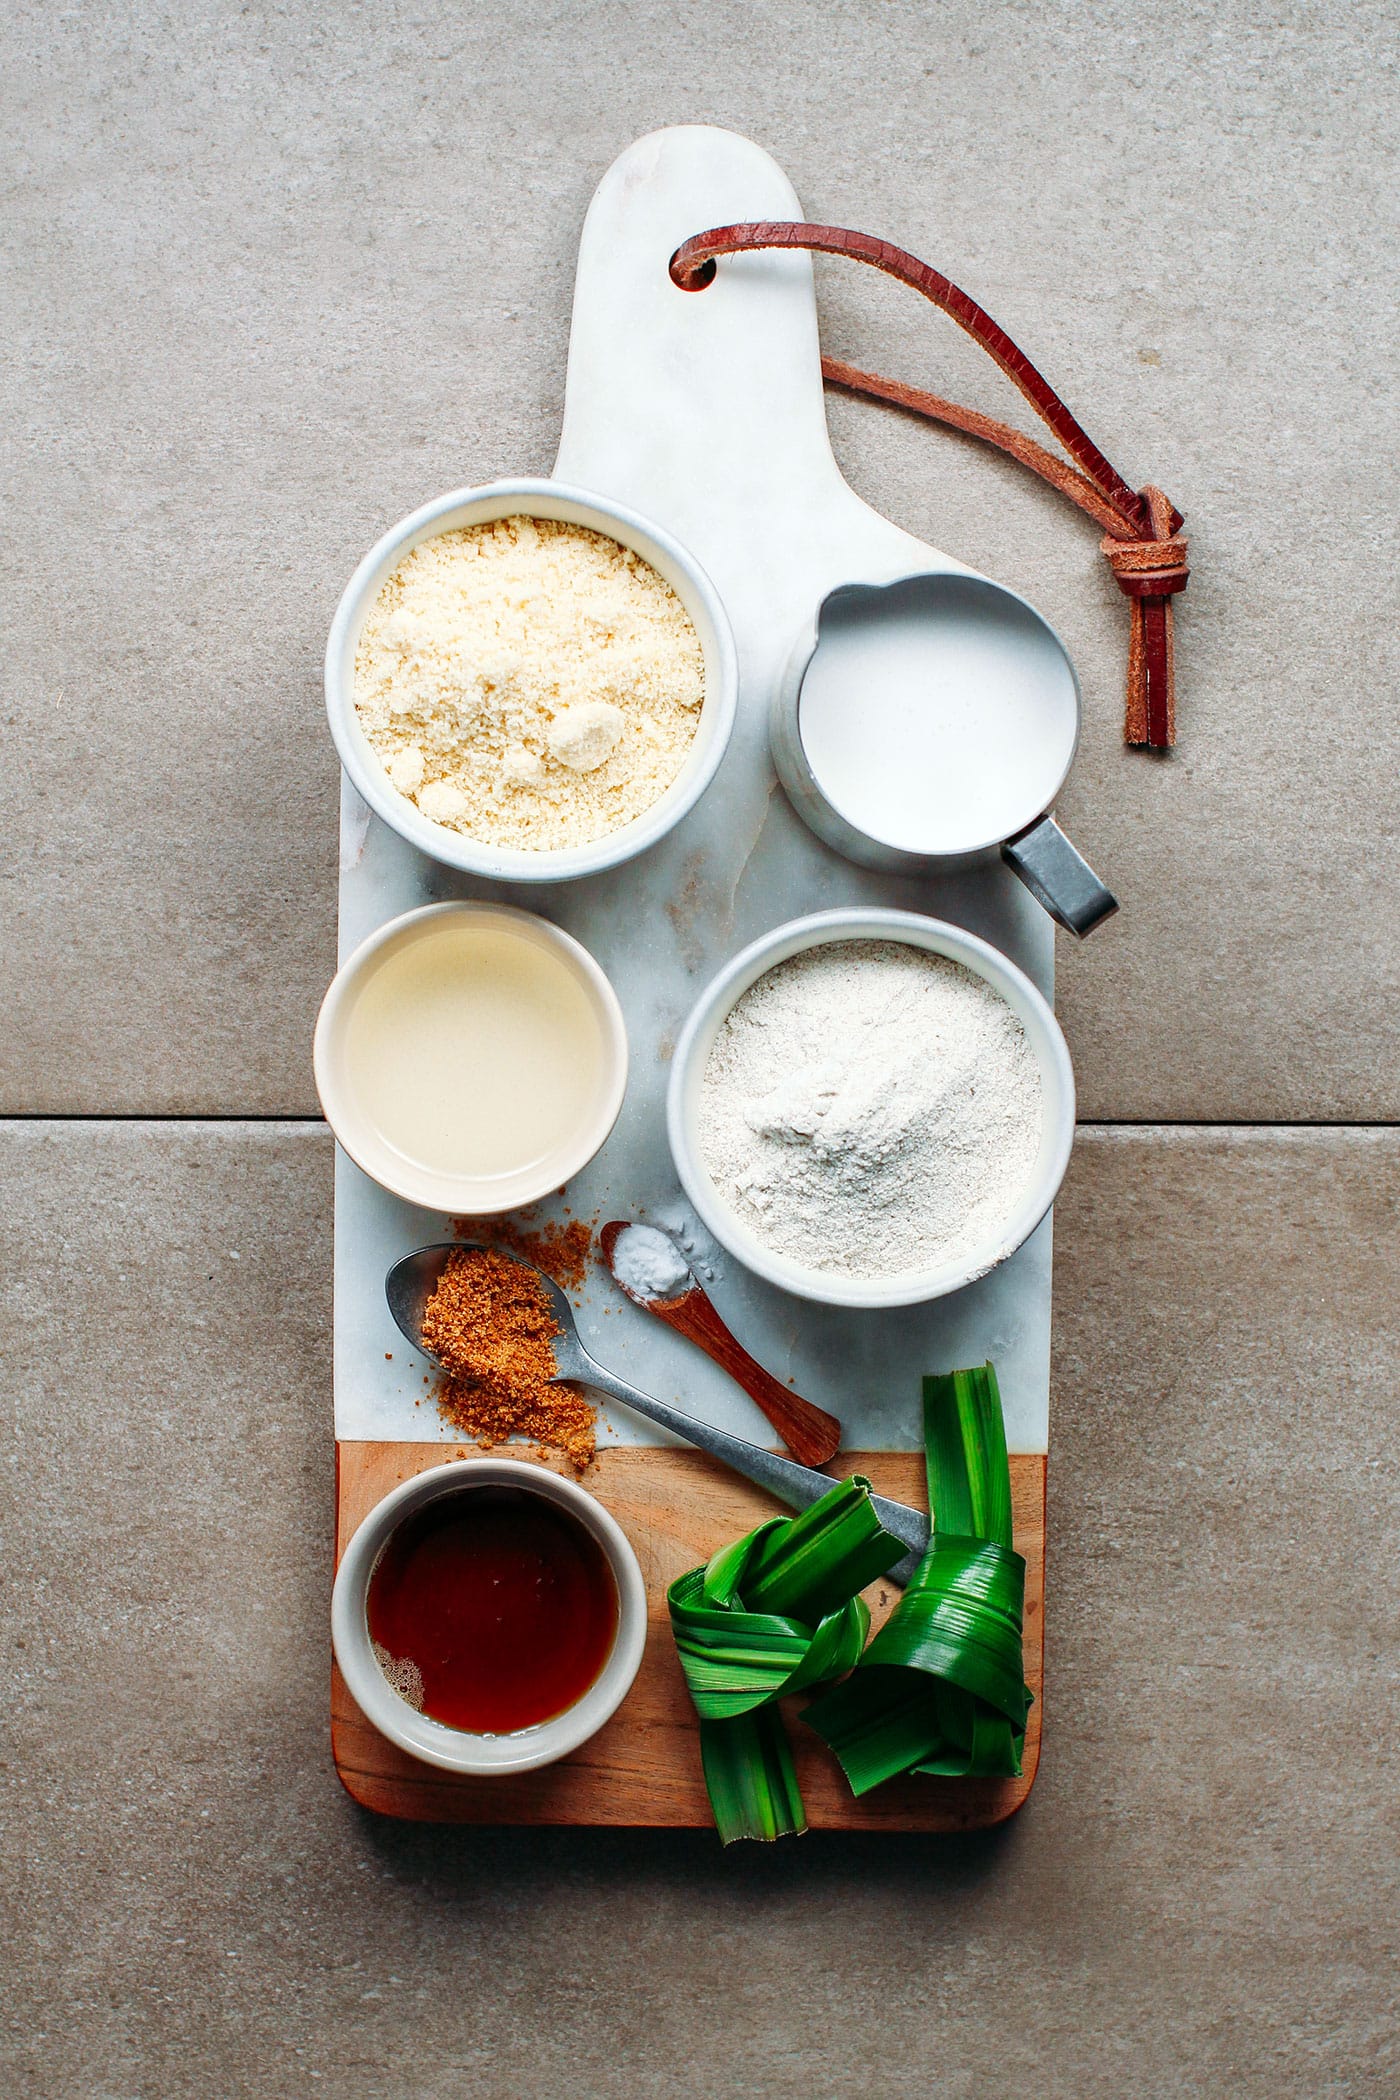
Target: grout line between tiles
293, 1116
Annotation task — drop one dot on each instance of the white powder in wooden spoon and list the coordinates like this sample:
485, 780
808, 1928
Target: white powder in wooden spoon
869, 1108
648, 1264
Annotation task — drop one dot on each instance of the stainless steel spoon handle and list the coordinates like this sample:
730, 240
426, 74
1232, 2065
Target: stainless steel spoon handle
798, 1486
411, 1282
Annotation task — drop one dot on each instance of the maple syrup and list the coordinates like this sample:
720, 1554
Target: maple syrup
492, 1609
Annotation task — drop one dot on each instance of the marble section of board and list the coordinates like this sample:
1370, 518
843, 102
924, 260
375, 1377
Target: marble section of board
657, 378
864, 1365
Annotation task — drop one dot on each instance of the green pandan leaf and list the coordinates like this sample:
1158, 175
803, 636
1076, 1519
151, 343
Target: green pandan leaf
969, 1479
775, 1613
941, 1688
750, 1778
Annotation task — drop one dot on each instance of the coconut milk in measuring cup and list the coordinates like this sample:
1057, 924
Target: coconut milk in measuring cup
929, 723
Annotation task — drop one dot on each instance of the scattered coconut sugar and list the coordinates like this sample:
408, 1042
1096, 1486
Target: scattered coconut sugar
490, 1324
559, 1246
529, 683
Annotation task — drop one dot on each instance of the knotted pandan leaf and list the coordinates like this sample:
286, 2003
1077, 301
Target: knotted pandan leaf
941, 1688
775, 1613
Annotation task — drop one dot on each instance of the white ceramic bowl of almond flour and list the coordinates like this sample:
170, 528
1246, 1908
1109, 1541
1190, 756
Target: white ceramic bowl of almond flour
1000, 1219
569, 506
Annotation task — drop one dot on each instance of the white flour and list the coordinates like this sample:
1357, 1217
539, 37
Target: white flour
870, 1108
649, 1264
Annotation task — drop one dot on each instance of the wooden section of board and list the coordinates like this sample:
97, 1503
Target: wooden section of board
644, 1766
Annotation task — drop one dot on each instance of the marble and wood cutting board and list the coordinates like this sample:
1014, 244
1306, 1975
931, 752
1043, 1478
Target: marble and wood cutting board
704, 412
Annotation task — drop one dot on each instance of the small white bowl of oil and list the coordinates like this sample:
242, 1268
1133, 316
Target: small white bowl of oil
470, 1057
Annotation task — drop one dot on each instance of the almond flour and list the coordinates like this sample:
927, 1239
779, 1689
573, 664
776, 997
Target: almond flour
528, 683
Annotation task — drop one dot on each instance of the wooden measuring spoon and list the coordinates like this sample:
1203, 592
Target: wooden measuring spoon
809, 1432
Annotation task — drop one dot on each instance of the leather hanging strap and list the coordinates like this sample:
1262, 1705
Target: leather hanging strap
1142, 529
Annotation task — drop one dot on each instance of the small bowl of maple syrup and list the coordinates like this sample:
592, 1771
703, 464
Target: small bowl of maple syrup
489, 1616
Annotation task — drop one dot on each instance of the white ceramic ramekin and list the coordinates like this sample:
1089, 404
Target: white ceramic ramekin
456, 1749
460, 1194
571, 506
870, 923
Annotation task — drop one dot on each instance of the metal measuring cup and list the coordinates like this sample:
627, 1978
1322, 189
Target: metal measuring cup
928, 724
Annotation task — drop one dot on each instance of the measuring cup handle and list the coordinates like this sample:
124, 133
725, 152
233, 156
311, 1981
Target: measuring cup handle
1058, 876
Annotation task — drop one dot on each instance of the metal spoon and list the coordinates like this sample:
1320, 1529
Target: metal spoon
412, 1281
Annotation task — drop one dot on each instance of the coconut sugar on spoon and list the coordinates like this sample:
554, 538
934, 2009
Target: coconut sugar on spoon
490, 1323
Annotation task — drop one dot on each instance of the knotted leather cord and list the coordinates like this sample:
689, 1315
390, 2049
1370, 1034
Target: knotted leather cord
1142, 528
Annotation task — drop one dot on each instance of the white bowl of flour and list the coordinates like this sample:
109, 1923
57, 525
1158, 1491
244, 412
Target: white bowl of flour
871, 1108
440, 671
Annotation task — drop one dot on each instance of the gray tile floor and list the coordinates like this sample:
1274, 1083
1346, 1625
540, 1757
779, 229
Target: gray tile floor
276, 275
